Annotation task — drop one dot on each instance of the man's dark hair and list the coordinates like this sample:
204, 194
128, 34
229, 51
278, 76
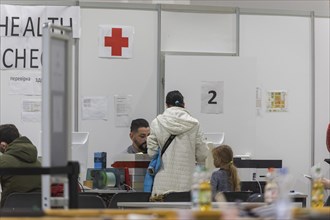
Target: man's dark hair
139, 123
8, 133
175, 98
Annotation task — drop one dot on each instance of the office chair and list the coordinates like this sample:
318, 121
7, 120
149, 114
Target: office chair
31, 201
177, 197
237, 196
128, 197
90, 201
254, 186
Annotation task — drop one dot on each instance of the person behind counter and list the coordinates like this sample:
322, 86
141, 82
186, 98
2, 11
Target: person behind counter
187, 147
18, 151
139, 132
225, 179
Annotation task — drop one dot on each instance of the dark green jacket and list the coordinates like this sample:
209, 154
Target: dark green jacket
20, 153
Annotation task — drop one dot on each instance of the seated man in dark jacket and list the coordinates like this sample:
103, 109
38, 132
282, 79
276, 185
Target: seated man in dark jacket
18, 151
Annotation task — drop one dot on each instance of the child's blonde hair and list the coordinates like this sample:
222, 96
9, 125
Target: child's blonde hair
223, 158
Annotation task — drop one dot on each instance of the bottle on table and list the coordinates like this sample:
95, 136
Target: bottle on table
317, 188
271, 187
205, 193
196, 178
283, 202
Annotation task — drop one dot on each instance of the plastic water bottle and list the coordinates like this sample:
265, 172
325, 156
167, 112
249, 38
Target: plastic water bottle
196, 178
271, 188
283, 202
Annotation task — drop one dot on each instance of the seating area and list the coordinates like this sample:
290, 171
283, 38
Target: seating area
32, 201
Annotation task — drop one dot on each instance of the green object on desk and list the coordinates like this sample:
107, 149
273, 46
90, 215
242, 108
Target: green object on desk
104, 178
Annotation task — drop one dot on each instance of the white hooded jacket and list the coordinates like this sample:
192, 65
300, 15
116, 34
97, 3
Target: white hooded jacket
187, 148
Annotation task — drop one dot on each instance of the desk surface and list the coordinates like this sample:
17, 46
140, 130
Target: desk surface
187, 205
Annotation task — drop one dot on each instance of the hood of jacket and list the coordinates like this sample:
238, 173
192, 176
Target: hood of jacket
23, 149
177, 120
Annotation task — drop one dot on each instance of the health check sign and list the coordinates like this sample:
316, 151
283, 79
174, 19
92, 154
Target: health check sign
115, 41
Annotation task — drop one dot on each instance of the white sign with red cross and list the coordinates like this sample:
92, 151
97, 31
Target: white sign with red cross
116, 41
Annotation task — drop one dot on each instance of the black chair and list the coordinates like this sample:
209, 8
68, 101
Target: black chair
90, 201
237, 196
32, 201
253, 186
178, 197
128, 197
256, 197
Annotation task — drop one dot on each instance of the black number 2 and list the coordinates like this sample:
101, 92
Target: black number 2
214, 94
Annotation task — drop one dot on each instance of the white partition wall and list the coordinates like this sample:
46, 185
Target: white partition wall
135, 77
21, 62
322, 91
282, 47
198, 32
79, 152
186, 74
11, 106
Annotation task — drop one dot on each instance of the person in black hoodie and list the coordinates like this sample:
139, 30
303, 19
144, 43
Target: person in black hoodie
17, 151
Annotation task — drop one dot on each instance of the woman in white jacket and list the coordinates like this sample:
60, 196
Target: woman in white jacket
187, 148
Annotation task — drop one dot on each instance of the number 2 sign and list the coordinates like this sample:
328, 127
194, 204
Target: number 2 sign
212, 97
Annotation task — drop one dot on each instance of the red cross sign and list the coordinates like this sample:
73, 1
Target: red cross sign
116, 41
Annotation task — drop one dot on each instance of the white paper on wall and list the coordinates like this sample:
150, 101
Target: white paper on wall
212, 97
25, 83
123, 108
95, 108
31, 110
